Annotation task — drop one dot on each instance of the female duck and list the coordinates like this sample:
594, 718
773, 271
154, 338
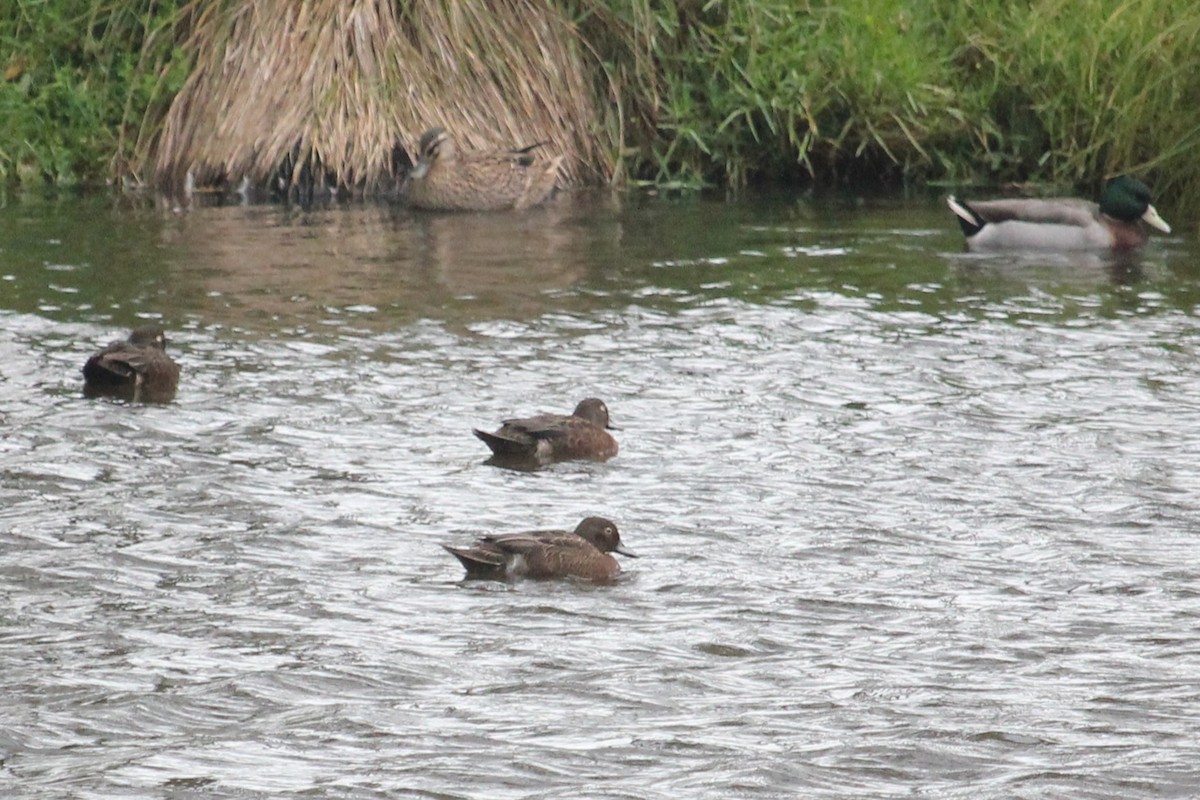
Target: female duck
582, 435
137, 369
1061, 224
583, 553
445, 180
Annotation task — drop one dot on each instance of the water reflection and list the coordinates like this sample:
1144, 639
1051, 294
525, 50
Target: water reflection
260, 267
517, 463
395, 265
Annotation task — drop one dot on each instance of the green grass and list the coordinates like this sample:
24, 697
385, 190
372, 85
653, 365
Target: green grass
773, 88
1080, 89
1053, 91
702, 92
80, 79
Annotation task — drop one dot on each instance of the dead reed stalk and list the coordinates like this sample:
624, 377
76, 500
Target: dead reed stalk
324, 88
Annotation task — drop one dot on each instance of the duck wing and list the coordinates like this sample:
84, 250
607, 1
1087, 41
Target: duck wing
530, 542
550, 554
542, 426
1053, 211
119, 359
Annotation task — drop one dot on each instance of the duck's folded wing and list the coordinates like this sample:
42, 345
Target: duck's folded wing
539, 427
1059, 211
531, 541
142, 360
120, 359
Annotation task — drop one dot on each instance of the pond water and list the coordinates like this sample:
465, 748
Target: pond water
912, 523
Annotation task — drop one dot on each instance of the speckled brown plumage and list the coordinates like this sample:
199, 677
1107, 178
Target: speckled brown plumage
546, 438
137, 369
445, 180
583, 553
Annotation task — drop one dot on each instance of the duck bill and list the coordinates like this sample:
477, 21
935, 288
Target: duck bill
1152, 219
422, 167
625, 552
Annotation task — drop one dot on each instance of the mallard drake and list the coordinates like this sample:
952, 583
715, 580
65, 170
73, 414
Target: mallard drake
137, 369
1061, 223
582, 553
445, 180
546, 438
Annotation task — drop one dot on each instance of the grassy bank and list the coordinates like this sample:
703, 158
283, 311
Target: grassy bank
84, 80
1057, 91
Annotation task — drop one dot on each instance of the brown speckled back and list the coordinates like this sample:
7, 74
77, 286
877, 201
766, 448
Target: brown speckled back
448, 181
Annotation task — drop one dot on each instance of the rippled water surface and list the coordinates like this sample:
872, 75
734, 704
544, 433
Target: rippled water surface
913, 523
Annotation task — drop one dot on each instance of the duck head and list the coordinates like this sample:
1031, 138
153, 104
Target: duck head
435, 145
1128, 199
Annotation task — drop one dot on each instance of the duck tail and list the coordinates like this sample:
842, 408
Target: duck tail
525, 156
502, 446
477, 562
529, 148
970, 222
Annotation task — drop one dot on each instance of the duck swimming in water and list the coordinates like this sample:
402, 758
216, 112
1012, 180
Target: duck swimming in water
1061, 224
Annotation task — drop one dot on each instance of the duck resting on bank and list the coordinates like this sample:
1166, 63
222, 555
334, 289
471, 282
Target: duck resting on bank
1061, 224
444, 179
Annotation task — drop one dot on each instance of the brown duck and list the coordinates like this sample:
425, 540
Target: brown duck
445, 180
582, 554
137, 369
546, 438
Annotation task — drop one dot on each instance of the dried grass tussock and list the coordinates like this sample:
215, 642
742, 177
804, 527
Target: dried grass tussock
325, 88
